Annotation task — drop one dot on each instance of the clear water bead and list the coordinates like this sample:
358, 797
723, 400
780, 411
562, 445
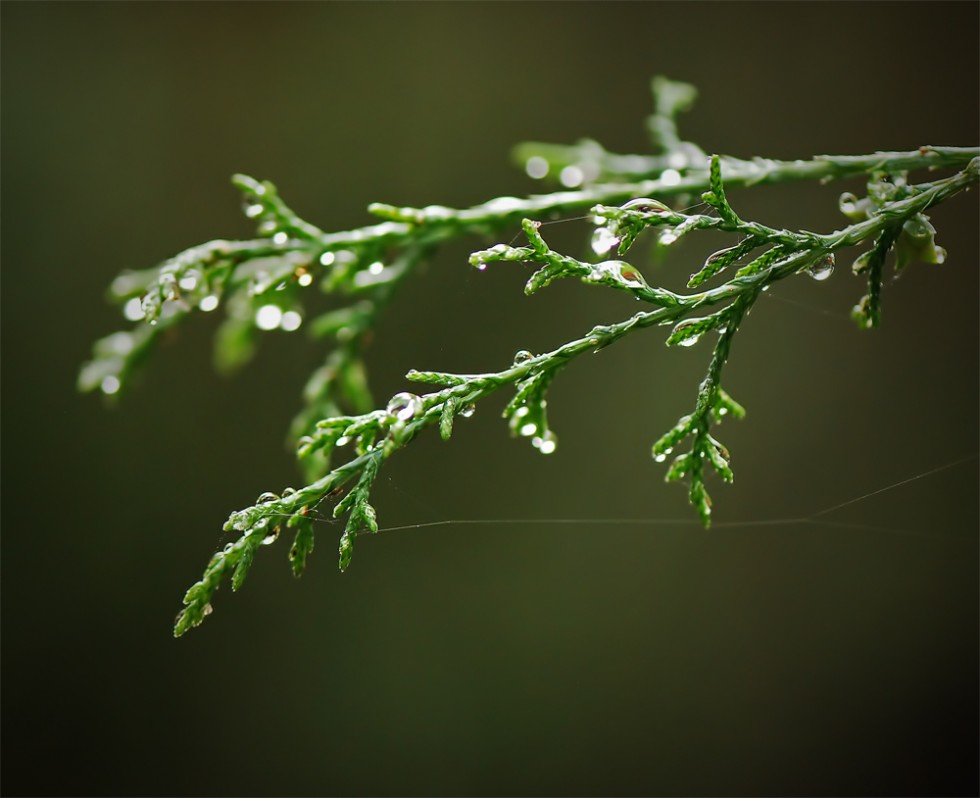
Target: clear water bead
404, 406
604, 240
823, 268
546, 443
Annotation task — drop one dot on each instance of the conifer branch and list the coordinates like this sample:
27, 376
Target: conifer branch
264, 284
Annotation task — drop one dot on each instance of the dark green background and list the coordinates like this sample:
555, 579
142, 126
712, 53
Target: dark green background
498, 658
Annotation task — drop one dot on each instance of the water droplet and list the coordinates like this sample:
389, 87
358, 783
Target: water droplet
645, 205
604, 240
268, 496
715, 256
208, 303
207, 610
940, 255
404, 405
528, 429
660, 457
823, 268
435, 213
110, 385
571, 176
305, 279
327, 258
291, 320
133, 309
481, 267
280, 238
188, 282
504, 204
466, 411
522, 356
522, 411
670, 177
691, 339
667, 237
252, 210
376, 268
271, 537
268, 317
536, 167
288, 492
546, 443
343, 440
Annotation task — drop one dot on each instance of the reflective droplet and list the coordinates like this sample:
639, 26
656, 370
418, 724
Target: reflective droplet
504, 204
268, 496
670, 177
208, 609
645, 205
546, 443
571, 176
110, 385
404, 405
271, 537
343, 440
435, 213
252, 210
280, 238
133, 309
466, 411
528, 429
667, 237
305, 279
823, 268
188, 282
660, 457
604, 240
327, 258
522, 356
522, 411
268, 317
716, 256
376, 268
291, 320
536, 167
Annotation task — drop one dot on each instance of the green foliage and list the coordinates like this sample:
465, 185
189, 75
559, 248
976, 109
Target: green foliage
263, 284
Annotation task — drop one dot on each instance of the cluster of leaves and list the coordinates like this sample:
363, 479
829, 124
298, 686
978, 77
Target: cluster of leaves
263, 284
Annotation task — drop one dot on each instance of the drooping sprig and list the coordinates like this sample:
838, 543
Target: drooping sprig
270, 283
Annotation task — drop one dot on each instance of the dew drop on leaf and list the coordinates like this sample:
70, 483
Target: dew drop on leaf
822, 269
404, 405
604, 240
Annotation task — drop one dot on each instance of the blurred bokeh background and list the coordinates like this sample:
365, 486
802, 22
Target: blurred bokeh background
498, 658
